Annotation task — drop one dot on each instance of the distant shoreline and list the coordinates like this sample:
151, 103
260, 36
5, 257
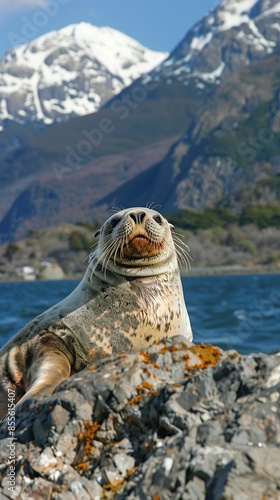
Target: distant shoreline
232, 270
198, 271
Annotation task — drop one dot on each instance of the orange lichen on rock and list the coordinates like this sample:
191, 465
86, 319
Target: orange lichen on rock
148, 444
168, 348
88, 436
113, 443
144, 388
116, 485
135, 400
164, 349
131, 471
82, 466
147, 359
146, 356
145, 385
208, 356
92, 368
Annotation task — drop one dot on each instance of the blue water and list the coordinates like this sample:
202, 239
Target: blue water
240, 312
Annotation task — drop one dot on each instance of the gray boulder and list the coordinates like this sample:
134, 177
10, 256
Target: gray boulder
176, 421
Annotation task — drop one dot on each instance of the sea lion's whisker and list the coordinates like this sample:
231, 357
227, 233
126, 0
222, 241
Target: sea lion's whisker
118, 249
122, 247
115, 209
90, 255
152, 205
103, 249
108, 254
182, 251
183, 258
113, 252
179, 237
178, 240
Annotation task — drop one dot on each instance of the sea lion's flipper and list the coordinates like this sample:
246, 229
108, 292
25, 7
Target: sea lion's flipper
53, 369
46, 377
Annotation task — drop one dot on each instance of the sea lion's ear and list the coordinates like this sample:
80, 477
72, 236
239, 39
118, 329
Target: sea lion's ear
171, 227
97, 233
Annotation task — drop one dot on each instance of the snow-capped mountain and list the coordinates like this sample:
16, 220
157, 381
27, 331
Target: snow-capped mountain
232, 59
219, 91
234, 34
69, 72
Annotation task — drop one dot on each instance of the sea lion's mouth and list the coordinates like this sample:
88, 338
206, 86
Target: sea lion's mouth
139, 237
140, 246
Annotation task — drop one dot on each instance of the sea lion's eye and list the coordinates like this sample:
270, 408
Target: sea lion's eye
158, 219
114, 222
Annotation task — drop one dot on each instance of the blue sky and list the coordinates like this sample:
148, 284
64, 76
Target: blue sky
157, 24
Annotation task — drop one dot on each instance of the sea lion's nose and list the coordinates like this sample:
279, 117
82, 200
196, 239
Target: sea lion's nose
137, 217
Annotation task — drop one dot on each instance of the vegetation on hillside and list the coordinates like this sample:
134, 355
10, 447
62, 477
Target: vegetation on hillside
257, 215
216, 237
78, 241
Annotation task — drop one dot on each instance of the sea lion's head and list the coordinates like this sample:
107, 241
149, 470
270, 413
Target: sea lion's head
137, 241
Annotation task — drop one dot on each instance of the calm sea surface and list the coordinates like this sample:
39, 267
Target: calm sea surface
240, 312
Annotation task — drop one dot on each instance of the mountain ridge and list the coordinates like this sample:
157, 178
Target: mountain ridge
220, 160
207, 52
213, 117
69, 72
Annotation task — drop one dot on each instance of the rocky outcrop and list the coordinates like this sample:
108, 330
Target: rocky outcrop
176, 420
50, 271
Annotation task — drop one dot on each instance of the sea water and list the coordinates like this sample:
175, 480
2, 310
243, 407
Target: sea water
233, 312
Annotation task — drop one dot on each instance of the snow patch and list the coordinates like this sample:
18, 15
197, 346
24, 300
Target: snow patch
232, 14
214, 75
198, 43
272, 11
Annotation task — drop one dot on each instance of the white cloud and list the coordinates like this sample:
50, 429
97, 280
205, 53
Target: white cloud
7, 7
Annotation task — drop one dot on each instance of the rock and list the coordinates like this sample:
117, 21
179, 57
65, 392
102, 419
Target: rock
178, 420
50, 271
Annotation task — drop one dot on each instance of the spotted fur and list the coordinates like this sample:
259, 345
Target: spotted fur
131, 294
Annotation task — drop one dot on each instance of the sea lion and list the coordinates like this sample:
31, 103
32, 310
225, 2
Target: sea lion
131, 294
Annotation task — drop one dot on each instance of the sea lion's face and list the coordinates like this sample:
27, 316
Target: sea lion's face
135, 237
